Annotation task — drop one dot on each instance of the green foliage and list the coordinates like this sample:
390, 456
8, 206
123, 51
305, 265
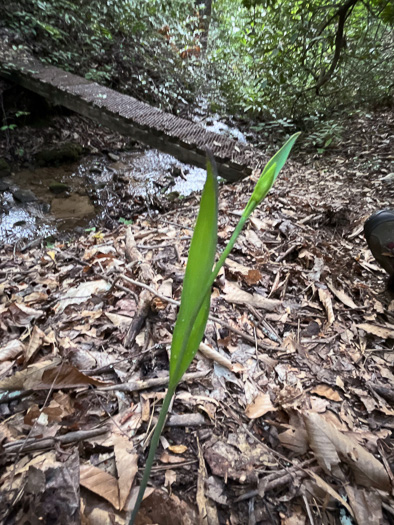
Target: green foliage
124, 221
266, 59
199, 278
114, 42
280, 58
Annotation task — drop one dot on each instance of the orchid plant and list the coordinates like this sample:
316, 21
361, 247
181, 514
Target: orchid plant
199, 278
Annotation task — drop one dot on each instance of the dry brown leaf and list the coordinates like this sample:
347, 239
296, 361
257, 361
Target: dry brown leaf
101, 483
325, 298
342, 296
47, 374
251, 276
260, 406
366, 505
331, 447
234, 294
22, 315
81, 293
327, 392
121, 321
295, 439
177, 449
127, 466
170, 458
384, 333
329, 490
34, 345
11, 350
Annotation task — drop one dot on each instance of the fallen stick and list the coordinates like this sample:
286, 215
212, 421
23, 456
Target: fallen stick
276, 480
135, 386
38, 444
248, 337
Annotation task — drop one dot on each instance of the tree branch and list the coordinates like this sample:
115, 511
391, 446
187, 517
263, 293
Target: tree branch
343, 13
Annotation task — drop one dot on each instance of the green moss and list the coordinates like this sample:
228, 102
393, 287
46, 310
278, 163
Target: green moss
5, 168
61, 154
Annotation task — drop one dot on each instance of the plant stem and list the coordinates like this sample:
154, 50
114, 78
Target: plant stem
152, 451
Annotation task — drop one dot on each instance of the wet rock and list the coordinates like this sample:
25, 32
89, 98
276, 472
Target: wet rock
5, 168
67, 152
113, 157
4, 185
59, 187
24, 196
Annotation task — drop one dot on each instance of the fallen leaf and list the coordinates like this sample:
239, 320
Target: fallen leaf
11, 350
48, 374
121, 321
101, 483
329, 490
332, 447
325, 299
342, 296
127, 466
366, 505
260, 406
251, 275
379, 331
81, 293
34, 345
295, 439
327, 392
170, 458
23, 315
177, 449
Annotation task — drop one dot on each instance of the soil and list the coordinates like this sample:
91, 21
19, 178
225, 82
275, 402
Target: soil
288, 417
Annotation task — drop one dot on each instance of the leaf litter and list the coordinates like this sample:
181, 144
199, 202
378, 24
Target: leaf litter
286, 415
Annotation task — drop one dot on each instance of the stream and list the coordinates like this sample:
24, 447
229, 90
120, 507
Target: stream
43, 202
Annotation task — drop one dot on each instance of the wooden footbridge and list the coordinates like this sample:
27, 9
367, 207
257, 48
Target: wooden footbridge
179, 137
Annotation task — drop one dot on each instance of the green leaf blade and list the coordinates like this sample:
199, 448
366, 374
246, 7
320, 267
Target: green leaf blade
280, 156
191, 320
269, 175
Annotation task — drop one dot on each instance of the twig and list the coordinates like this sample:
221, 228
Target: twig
39, 444
135, 386
308, 510
277, 480
249, 338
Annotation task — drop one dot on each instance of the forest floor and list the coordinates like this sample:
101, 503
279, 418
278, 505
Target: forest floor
287, 414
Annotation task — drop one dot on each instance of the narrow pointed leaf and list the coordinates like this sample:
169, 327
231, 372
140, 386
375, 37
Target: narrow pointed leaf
269, 175
280, 156
192, 318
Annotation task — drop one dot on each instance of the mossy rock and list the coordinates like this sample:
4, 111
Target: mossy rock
61, 154
59, 187
5, 168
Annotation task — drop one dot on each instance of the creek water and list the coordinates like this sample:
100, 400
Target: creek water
42, 202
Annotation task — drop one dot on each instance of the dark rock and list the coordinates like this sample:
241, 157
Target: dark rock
4, 185
67, 152
24, 196
59, 187
5, 168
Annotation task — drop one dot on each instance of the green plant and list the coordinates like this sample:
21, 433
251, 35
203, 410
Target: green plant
199, 278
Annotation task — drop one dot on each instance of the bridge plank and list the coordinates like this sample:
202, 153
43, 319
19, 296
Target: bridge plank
168, 133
